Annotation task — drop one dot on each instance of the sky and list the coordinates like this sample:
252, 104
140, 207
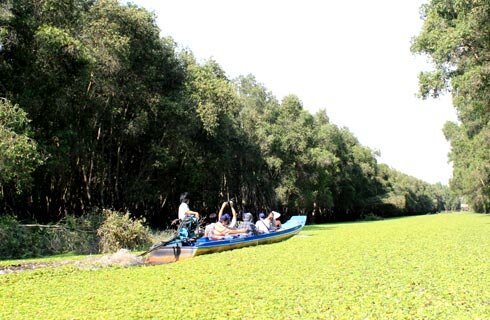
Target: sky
351, 58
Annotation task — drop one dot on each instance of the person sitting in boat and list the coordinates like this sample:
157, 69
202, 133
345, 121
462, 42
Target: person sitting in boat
263, 225
184, 207
233, 212
248, 224
221, 229
209, 228
276, 222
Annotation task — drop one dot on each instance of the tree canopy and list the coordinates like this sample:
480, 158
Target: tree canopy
456, 36
98, 110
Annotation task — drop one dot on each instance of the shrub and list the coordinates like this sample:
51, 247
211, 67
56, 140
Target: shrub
371, 217
76, 234
18, 241
120, 231
106, 231
71, 234
12, 238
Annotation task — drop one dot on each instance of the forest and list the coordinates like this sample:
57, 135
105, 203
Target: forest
97, 110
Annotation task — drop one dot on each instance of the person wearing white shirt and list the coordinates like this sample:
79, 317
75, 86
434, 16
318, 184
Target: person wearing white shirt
184, 207
263, 225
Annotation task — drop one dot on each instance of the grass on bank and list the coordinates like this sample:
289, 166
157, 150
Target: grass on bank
426, 267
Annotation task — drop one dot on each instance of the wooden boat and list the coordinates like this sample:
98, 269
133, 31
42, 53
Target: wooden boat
177, 249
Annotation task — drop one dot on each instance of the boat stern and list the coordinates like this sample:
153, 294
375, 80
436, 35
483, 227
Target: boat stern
170, 254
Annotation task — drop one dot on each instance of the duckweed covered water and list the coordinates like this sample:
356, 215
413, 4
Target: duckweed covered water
426, 267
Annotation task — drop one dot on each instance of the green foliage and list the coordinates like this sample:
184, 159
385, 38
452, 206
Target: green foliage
471, 173
77, 234
19, 156
407, 195
72, 234
127, 121
12, 238
427, 267
121, 231
371, 217
212, 93
59, 52
13, 118
104, 231
455, 36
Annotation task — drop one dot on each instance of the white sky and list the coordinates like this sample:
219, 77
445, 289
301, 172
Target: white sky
351, 58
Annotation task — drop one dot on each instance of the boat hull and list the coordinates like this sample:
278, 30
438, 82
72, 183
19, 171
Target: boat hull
170, 254
177, 251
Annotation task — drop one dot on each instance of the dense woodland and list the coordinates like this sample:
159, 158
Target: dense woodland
98, 110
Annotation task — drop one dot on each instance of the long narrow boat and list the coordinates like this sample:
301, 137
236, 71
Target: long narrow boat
177, 250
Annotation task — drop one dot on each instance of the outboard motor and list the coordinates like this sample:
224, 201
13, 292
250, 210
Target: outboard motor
189, 229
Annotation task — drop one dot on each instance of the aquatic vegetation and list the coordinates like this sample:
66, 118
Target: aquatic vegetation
426, 267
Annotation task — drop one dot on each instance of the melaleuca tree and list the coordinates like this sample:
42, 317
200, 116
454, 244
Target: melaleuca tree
354, 181
455, 35
125, 120
289, 138
101, 88
43, 62
323, 167
211, 166
471, 165
406, 195
19, 155
258, 109
134, 93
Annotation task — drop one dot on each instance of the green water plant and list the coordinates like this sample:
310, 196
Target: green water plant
425, 267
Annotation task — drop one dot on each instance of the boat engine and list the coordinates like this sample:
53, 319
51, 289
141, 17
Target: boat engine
190, 229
